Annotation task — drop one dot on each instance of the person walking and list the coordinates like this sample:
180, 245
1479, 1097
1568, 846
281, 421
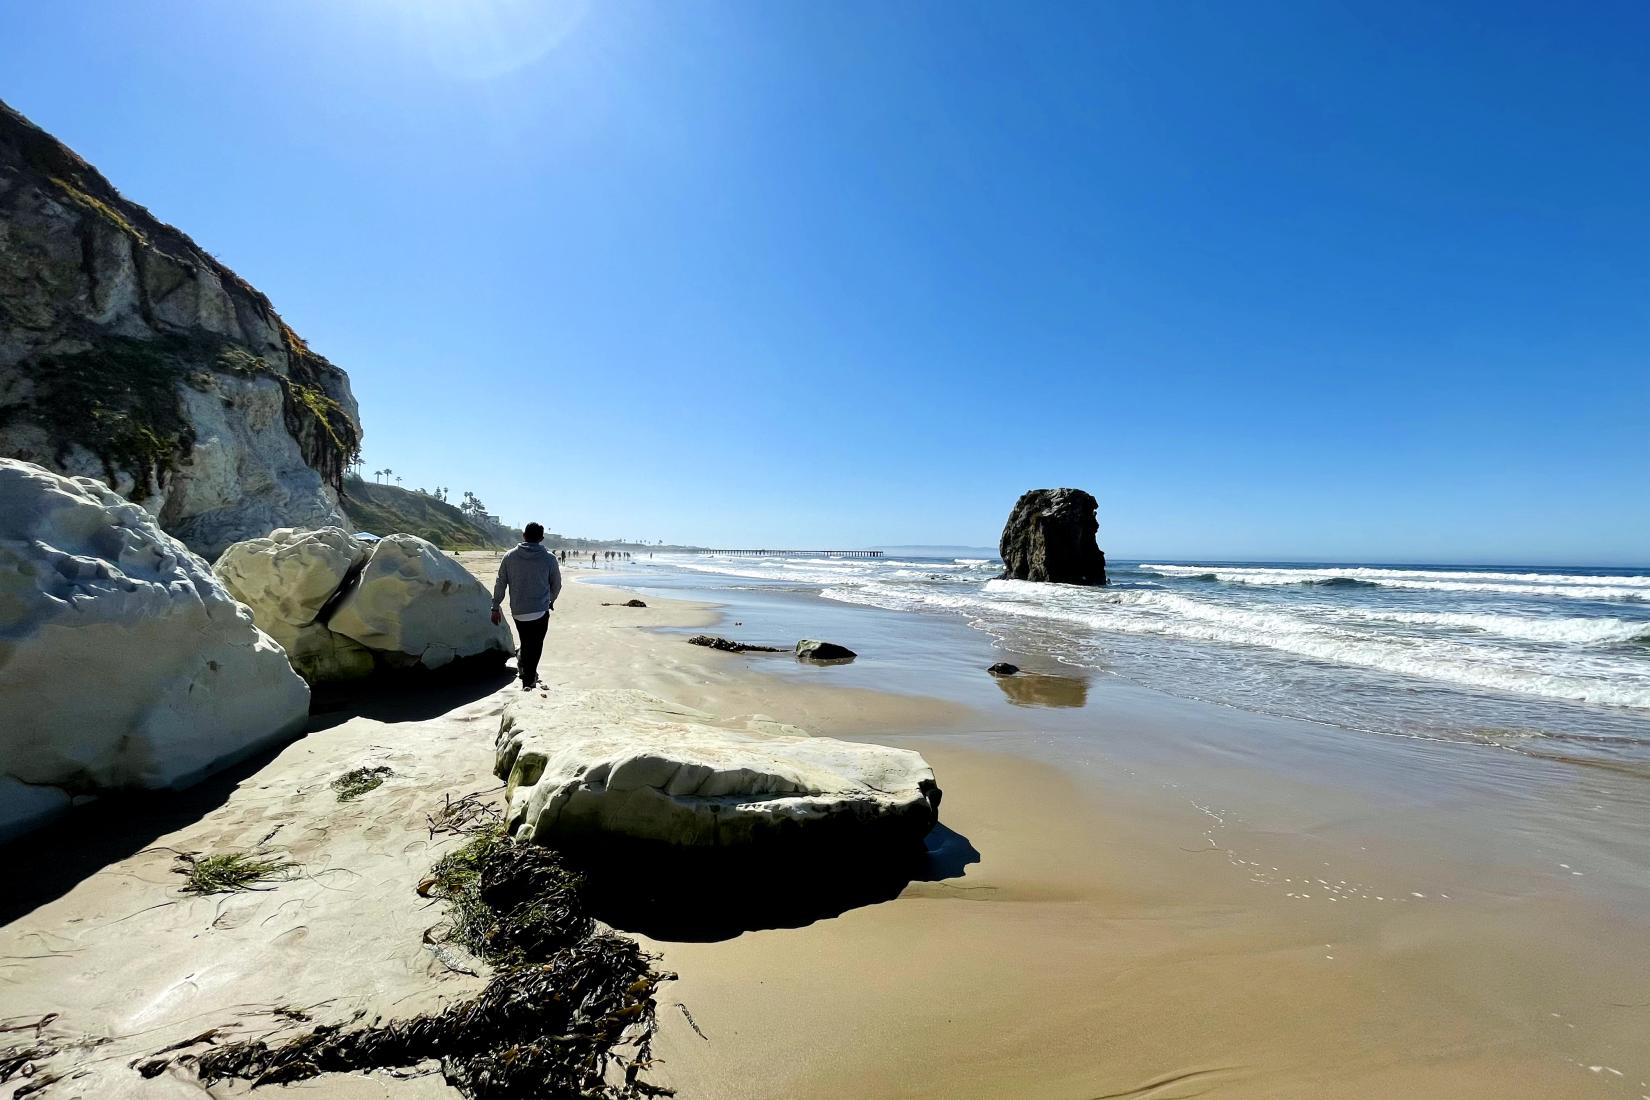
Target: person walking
533, 579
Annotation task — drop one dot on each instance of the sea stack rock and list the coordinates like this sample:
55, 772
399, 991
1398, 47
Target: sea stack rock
1050, 537
124, 663
131, 355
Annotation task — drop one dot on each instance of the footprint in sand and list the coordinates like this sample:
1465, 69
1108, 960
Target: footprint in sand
234, 912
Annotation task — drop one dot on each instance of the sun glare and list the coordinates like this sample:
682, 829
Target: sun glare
486, 39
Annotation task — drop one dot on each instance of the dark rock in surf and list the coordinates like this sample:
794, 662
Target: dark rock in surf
822, 652
728, 645
1050, 537
1003, 668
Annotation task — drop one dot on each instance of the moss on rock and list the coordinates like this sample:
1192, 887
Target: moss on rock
118, 399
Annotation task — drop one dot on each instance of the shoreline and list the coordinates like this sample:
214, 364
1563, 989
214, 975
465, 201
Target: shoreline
1117, 935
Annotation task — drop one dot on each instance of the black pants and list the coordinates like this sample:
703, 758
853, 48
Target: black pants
532, 647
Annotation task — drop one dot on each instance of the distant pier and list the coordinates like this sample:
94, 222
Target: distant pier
797, 553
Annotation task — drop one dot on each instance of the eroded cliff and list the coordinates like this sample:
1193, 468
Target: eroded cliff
130, 354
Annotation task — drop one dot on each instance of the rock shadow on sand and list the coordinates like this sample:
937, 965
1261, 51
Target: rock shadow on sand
405, 697
707, 898
47, 863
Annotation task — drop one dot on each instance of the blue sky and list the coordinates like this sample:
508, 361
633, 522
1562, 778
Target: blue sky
1272, 280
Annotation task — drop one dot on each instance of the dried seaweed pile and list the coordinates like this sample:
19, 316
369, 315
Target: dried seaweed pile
509, 903
569, 1012
728, 645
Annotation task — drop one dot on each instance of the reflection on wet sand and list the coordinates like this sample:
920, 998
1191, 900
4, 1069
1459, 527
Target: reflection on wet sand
1031, 689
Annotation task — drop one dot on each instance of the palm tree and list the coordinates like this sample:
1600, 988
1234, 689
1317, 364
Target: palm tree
398, 480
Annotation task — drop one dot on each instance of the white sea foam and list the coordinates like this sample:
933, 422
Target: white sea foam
1374, 572
1575, 586
1563, 630
1595, 679
1521, 635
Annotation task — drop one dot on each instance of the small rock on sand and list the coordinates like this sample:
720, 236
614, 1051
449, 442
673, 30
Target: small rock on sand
811, 650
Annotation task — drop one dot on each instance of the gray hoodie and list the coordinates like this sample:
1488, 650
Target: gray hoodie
531, 574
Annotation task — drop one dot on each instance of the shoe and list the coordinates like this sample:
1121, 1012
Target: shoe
529, 685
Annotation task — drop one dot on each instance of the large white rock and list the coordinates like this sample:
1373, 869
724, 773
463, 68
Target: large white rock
415, 605
585, 766
288, 579
123, 662
289, 576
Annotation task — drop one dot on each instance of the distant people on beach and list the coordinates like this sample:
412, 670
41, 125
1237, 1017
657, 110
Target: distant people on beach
532, 576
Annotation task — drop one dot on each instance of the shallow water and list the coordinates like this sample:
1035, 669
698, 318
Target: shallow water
1463, 914
1552, 662
1175, 712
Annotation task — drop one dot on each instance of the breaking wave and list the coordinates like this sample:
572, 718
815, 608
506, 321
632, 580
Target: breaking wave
1438, 657
1440, 651
1567, 586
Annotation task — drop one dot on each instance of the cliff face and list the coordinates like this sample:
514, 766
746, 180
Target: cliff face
129, 354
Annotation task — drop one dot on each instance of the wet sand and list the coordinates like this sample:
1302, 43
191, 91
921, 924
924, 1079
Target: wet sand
1165, 899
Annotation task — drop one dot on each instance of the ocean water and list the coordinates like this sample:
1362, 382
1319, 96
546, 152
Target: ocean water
1550, 662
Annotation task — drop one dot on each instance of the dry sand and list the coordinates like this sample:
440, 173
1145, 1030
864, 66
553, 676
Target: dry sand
1108, 942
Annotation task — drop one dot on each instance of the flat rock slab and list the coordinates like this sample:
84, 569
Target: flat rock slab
588, 767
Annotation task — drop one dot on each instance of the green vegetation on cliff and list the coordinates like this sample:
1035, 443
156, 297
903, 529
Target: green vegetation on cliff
387, 510
119, 398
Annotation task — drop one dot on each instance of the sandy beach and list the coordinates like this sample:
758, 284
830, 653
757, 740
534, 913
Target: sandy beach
1168, 913
771, 551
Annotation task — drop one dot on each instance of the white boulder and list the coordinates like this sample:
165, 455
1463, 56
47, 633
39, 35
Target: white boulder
594, 766
288, 580
290, 575
414, 605
124, 663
